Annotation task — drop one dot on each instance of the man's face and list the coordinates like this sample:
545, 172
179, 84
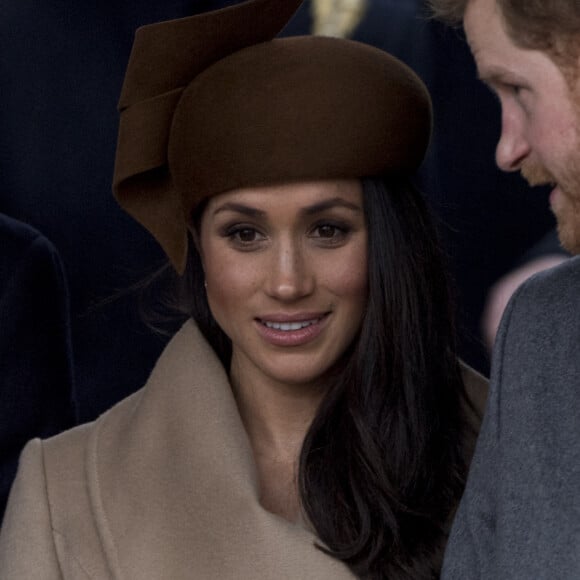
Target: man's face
540, 134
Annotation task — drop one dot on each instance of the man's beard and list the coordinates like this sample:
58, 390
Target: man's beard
567, 208
536, 174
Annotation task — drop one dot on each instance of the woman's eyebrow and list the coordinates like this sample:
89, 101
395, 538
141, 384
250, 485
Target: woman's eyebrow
240, 208
309, 210
329, 204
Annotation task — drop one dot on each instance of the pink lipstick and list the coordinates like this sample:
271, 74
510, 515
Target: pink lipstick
291, 330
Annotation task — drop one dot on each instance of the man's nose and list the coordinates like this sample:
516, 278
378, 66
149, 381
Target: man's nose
512, 147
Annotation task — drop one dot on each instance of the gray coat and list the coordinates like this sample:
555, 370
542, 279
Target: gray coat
520, 514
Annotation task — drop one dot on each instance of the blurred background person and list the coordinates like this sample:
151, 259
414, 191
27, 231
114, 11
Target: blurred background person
36, 367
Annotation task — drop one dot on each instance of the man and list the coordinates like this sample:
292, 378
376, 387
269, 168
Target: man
520, 515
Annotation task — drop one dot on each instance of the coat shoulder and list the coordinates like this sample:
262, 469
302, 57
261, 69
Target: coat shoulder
68, 486
49, 531
538, 341
553, 292
72, 487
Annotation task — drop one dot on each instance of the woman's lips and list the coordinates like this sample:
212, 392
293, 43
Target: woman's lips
291, 330
289, 326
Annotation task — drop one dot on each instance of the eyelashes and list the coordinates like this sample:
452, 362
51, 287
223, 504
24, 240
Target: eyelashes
243, 235
331, 233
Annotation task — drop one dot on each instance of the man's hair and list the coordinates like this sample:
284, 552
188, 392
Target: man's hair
552, 26
449, 11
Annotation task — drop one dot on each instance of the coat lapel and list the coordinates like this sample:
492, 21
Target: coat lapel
174, 486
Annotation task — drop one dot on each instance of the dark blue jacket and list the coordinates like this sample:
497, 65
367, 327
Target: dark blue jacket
36, 374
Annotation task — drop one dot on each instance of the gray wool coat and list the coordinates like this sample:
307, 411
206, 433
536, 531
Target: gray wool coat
520, 515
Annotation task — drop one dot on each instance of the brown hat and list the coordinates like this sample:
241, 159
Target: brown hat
211, 103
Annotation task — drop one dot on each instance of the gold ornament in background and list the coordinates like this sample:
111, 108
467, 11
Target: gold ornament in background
337, 17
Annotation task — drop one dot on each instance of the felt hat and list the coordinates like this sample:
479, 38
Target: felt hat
212, 103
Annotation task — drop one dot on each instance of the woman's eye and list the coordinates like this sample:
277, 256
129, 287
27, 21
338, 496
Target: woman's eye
327, 231
332, 233
244, 236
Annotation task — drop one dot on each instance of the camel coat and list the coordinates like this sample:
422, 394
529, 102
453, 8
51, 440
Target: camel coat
162, 486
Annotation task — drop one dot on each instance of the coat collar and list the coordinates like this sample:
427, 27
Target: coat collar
174, 483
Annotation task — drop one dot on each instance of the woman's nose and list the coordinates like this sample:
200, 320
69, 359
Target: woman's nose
290, 275
512, 147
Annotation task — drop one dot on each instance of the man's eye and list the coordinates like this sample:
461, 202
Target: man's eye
510, 89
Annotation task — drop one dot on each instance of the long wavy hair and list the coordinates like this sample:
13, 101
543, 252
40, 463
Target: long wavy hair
382, 466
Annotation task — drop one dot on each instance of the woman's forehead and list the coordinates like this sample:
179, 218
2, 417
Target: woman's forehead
303, 195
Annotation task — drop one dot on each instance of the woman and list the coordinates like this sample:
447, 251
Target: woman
311, 422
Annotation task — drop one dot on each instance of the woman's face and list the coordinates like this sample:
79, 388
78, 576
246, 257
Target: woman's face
286, 275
